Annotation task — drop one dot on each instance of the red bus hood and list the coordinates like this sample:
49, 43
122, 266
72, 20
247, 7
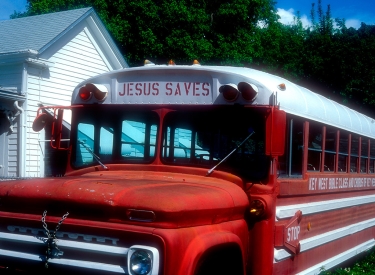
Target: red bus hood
177, 200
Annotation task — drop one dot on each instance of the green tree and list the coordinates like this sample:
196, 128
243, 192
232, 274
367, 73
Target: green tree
340, 61
327, 57
211, 31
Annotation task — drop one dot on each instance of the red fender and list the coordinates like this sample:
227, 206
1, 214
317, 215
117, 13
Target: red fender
201, 244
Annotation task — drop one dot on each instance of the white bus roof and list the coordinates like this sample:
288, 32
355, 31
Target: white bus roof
200, 85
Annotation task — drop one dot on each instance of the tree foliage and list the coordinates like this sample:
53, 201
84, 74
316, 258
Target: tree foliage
213, 31
327, 57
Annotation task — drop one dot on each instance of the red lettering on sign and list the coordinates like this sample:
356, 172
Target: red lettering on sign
168, 87
196, 88
178, 91
206, 89
187, 87
147, 87
123, 92
130, 88
155, 89
138, 87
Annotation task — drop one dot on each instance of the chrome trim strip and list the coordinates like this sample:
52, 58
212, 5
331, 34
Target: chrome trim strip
67, 244
288, 211
334, 261
309, 243
67, 262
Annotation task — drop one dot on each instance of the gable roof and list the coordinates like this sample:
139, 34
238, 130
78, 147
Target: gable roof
37, 33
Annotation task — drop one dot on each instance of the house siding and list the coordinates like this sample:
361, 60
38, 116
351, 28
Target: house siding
8, 150
11, 77
78, 60
9, 158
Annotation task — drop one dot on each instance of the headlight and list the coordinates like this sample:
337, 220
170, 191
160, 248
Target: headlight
143, 260
140, 262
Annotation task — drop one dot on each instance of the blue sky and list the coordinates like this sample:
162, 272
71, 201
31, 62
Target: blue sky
354, 11
7, 7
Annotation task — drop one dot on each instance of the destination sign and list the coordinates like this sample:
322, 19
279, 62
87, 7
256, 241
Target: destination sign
165, 92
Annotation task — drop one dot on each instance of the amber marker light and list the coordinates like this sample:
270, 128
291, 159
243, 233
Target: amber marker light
148, 63
171, 63
196, 62
257, 208
282, 87
248, 91
309, 226
229, 91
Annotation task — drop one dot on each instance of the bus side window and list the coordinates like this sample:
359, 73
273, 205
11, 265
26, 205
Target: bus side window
372, 156
364, 155
290, 164
343, 151
354, 154
85, 143
315, 147
330, 149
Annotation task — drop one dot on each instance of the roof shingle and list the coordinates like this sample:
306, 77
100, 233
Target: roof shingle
35, 32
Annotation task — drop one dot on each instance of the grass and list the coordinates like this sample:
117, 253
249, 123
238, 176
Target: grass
365, 266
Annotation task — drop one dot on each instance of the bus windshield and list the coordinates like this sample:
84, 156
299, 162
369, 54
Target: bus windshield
207, 136
197, 137
113, 135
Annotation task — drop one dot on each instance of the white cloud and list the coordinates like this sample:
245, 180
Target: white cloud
287, 17
353, 23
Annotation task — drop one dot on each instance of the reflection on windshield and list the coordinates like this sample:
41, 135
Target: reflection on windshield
203, 139
117, 137
197, 138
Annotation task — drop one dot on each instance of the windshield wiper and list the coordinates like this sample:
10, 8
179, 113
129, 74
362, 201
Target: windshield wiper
209, 172
88, 148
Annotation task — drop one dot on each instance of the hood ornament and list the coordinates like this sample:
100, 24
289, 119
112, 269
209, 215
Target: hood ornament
52, 249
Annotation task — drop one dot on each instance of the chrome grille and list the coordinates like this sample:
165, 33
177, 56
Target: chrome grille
75, 254
28, 252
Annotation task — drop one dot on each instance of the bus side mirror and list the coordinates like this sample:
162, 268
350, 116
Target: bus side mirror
57, 126
41, 121
275, 132
55, 121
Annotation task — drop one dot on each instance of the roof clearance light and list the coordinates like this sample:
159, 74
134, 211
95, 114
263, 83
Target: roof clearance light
100, 92
196, 62
230, 92
281, 87
248, 91
171, 63
84, 93
148, 63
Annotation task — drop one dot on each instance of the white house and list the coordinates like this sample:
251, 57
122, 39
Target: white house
42, 58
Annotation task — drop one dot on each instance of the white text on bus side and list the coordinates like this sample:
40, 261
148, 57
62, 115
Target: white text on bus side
171, 89
340, 183
293, 233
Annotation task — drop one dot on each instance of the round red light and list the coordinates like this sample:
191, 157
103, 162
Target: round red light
247, 91
84, 93
230, 93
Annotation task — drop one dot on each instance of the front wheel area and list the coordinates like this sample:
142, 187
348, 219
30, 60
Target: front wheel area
221, 261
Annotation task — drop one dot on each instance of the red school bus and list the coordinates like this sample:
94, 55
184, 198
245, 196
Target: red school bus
181, 170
